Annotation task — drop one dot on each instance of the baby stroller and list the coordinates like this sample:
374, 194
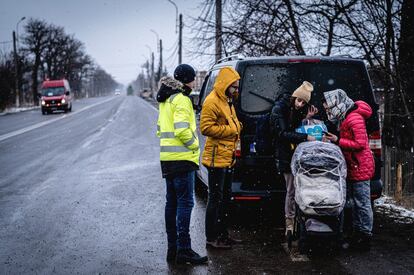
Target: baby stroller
319, 169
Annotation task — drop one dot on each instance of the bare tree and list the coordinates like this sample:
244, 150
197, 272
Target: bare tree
58, 55
203, 30
104, 84
320, 25
259, 27
253, 28
406, 52
55, 47
7, 80
405, 71
35, 41
367, 29
373, 32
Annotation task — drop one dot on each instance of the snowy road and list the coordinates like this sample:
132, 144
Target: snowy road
83, 194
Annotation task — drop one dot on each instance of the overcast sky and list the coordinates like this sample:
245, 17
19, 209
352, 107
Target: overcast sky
114, 32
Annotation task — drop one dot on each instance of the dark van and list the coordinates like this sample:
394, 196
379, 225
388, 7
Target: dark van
263, 79
55, 95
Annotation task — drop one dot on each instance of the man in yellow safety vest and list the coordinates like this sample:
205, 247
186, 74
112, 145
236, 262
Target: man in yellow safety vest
179, 156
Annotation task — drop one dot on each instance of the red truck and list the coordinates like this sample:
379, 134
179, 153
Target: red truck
55, 95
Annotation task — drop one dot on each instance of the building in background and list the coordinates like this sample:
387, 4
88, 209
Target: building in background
200, 75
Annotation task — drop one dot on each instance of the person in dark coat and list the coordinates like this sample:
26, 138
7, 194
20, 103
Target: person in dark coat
287, 114
353, 141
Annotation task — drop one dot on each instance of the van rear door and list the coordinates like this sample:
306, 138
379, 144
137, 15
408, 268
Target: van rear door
263, 82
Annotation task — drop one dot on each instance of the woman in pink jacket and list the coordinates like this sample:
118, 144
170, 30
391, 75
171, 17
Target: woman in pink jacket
353, 141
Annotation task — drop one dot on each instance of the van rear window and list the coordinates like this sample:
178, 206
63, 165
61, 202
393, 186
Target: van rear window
262, 84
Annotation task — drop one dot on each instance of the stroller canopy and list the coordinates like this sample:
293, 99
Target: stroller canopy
318, 155
320, 178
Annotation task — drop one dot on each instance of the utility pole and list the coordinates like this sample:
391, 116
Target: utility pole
17, 61
218, 30
180, 41
160, 67
180, 27
16, 71
159, 48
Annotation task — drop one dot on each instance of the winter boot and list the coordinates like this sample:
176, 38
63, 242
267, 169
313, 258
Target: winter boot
171, 254
188, 256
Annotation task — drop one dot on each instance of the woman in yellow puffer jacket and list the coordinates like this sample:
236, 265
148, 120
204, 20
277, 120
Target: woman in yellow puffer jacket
220, 125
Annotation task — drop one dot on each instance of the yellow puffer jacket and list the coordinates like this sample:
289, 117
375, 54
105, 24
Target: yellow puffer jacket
219, 123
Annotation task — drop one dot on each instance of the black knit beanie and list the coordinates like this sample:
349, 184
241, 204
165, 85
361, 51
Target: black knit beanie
184, 73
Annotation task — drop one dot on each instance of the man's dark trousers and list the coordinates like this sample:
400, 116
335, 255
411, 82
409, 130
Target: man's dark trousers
219, 195
180, 202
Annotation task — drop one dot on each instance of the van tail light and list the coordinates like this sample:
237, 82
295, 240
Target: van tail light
247, 198
304, 60
238, 149
375, 143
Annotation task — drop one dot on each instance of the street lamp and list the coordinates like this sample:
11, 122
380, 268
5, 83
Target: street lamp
149, 48
159, 46
17, 27
179, 25
158, 38
152, 66
176, 15
16, 63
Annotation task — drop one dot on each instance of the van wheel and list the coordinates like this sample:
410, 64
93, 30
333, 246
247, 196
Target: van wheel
44, 113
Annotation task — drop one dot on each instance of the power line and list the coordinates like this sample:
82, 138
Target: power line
172, 46
173, 52
171, 61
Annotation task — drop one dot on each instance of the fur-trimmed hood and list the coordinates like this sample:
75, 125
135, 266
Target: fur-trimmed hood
168, 87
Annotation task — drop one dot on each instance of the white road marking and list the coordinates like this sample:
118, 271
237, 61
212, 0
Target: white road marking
41, 124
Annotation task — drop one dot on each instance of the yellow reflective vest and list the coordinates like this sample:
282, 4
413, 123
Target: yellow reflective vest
177, 130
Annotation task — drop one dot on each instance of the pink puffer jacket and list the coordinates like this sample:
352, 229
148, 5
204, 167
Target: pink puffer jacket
354, 143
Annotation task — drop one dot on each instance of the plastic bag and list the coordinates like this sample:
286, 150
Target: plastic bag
313, 127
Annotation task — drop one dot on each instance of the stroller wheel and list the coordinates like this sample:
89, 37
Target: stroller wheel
289, 237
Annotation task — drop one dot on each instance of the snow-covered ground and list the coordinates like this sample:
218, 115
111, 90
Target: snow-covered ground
390, 208
17, 110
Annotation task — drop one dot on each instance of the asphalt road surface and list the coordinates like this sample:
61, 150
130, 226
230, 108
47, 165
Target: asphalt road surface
82, 193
